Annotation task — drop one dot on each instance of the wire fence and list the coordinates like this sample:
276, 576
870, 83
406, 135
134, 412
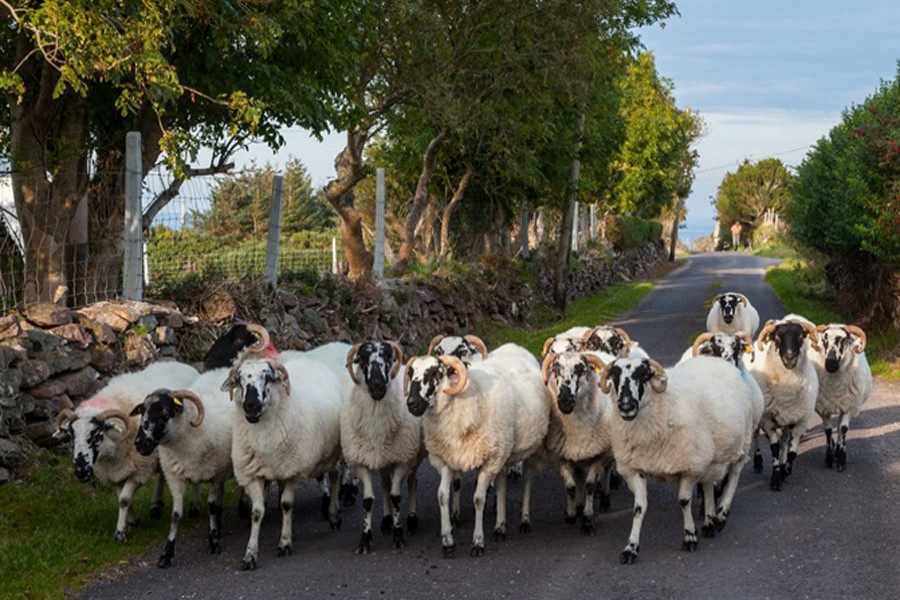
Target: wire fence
215, 228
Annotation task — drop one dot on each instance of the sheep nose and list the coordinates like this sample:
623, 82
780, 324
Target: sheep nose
832, 365
83, 471
377, 391
143, 445
566, 401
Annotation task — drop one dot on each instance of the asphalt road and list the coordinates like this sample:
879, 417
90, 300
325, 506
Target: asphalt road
827, 535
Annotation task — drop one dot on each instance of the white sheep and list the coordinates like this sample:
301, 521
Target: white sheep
103, 436
284, 433
845, 383
570, 340
191, 428
690, 425
732, 312
469, 348
578, 441
481, 417
789, 384
379, 434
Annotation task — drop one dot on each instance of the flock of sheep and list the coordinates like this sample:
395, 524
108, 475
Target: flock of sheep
596, 405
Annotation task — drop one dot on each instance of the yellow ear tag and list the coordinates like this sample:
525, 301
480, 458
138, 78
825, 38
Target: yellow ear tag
177, 401
748, 348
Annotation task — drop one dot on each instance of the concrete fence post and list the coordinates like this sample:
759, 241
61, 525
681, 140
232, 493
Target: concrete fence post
378, 267
132, 276
523, 232
271, 270
575, 223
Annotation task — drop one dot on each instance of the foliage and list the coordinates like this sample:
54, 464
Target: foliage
847, 198
749, 192
630, 232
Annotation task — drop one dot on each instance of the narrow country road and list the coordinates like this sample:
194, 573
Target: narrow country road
827, 535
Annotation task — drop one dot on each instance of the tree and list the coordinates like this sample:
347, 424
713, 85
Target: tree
754, 188
186, 74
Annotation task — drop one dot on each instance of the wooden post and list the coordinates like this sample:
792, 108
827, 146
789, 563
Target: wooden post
271, 271
132, 280
378, 267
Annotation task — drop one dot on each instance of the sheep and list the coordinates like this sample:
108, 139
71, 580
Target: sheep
678, 427
379, 434
483, 417
571, 340
845, 383
283, 433
469, 349
103, 437
732, 312
192, 429
789, 383
578, 441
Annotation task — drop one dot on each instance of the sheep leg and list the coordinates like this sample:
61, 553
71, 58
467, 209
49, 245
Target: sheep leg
349, 485
256, 490
126, 516
790, 445
334, 516
532, 465
177, 489
325, 492
457, 486
365, 542
500, 525
481, 486
443, 494
412, 521
731, 483
396, 482
387, 521
709, 509
757, 452
194, 510
214, 504
637, 483
286, 543
567, 472
157, 503
604, 490
840, 452
829, 439
777, 481
579, 490
685, 494
590, 480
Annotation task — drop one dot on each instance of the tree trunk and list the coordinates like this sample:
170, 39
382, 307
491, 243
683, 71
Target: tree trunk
339, 193
446, 251
564, 243
673, 235
420, 199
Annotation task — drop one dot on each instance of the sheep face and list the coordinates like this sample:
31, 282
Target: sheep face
728, 305
838, 347
725, 346
427, 376
375, 360
561, 345
571, 371
628, 378
606, 339
228, 346
156, 412
788, 338
461, 348
251, 387
92, 439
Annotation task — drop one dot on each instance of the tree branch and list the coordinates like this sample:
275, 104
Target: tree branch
168, 194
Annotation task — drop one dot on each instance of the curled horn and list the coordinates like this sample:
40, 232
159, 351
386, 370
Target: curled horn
742, 298
262, 337
434, 342
717, 298
406, 375
745, 337
547, 345
398, 358
624, 335
287, 379
760, 339
660, 380
478, 343
186, 395
350, 356
115, 413
703, 337
854, 330
545, 368
451, 362
594, 360
605, 385
64, 414
587, 334
810, 329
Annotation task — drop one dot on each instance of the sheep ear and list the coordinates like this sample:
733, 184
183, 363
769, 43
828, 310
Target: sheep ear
179, 404
137, 410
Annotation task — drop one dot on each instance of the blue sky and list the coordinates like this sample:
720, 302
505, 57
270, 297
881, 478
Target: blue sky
769, 78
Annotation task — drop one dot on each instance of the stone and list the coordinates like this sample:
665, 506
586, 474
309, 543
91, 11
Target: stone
43, 341
83, 382
47, 314
138, 350
57, 403
288, 300
163, 336
167, 352
174, 320
48, 389
73, 333
9, 327
26, 403
104, 359
10, 382
61, 361
43, 409
103, 333
34, 372
8, 356
41, 431
119, 316
4, 476
15, 422
10, 453
219, 306
147, 323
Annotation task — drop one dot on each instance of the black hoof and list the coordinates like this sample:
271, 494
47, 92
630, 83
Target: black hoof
525, 527
689, 546
194, 511
448, 551
604, 502
214, 545
387, 524
777, 481
840, 459
412, 524
499, 535
248, 564
829, 457
570, 520
164, 562
285, 550
587, 528
326, 506
336, 524
757, 464
399, 542
347, 494
121, 536
365, 543
720, 524
628, 557
786, 470
476, 551
709, 531
156, 511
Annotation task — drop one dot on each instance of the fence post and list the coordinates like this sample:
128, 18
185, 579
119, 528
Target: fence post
523, 232
334, 260
132, 280
593, 221
378, 267
575, 220
271, 272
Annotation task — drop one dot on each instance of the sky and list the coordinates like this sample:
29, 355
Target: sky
769, 78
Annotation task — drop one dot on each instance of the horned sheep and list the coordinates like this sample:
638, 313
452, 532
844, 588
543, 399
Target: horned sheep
732, 312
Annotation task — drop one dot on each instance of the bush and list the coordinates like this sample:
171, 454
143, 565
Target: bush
626, 232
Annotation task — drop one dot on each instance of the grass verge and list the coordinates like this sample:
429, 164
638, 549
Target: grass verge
56, 534
802, 292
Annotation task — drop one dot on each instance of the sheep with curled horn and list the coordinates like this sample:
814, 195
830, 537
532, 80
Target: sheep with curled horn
679, 427
612, 340
732, 312
485, 418
468, 348
379, 435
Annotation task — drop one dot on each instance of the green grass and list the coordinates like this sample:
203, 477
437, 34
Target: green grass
56, 534
594, 310
802, 292
784, 252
